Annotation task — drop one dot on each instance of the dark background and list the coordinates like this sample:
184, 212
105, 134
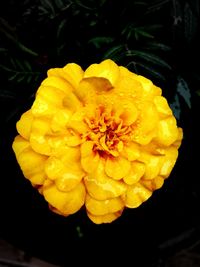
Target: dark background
157, 39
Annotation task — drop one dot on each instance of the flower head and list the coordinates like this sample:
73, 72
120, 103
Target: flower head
105, 138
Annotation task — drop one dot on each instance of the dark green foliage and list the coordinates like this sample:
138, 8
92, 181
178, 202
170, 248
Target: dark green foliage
149, 37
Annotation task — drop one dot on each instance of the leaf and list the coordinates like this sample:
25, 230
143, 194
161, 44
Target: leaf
195, 6
61, 27
175, 106
190, 23
156, 5
157, 46
48, 5
60, 4
101, 40
148, 57
152, 71
141, 31
3, 50
184, 90
7, 94
114, 52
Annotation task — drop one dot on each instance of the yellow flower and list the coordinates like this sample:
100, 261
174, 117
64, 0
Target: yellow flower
104, 138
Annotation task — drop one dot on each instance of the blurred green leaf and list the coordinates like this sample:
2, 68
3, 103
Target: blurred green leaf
101, 40
147, 31
48, 7
190, 23
156, 5
7, 94
153, 45
20, 71
10, 34
148, 57
151, 71
115, 52
176, 107
184, 91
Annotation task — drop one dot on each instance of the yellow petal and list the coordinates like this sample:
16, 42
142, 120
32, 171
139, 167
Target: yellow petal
102, 207
24, 124
89, 158
71, 73
32, 165
48, 101
149, 118
152, 163
169, 161
167, 131
100, 186
72, 102
90, 87
136, 172
66, 177
136, 195
149, 90
106, 69
162, 106
38, 139
107, 218
154, 184
65, 202
117, 168
75, 73
77, 122
19, 144
60, 119
178, 141
129, 114
128, 86
59, 83
68, 155
131, 151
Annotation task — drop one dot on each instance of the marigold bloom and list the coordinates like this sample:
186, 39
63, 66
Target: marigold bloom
105, 138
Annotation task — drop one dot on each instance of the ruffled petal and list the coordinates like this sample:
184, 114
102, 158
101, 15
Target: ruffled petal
60, 119
90, 87
24, 124
59, 83
135, 174
48, 101
39, 136
75, 73
128, 86
153, 164
102, 207
149, 89
117, 168
169, 161
154, 184
31, 163
167, 132
66, 177
107, 218
89, 158
72, 73
19, 144
131, 151
106, 69
162, 106
102, 187
65, 202
136, 195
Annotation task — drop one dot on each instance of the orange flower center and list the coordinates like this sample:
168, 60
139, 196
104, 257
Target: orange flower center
107, 131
